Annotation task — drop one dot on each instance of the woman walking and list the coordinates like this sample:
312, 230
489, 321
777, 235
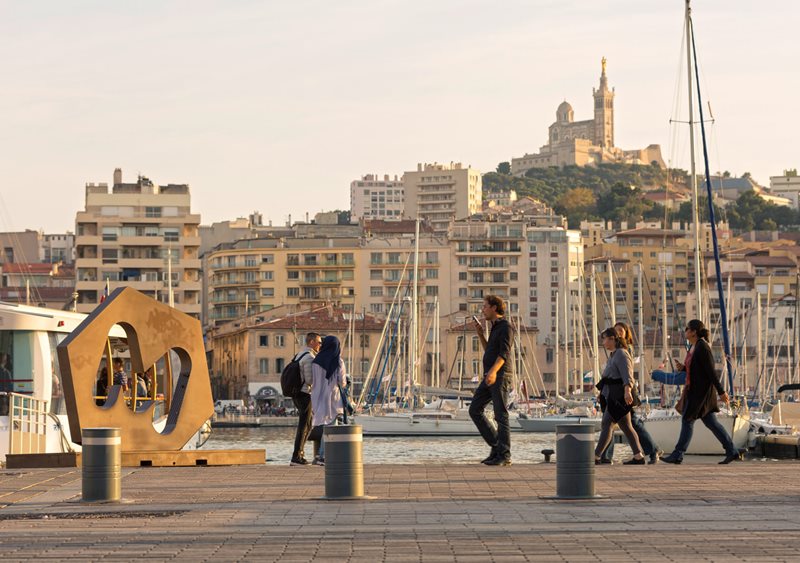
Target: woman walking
649, 447
616, 387
700, 395
328, 373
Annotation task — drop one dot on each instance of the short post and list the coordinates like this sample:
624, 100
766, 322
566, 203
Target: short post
547, 454
575, 461
344, 468
101, 461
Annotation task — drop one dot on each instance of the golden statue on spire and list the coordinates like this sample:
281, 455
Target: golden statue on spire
603, 62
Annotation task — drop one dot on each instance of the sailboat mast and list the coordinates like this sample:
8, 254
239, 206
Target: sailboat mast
640, 322
557, 343
692, 167
415, 309
711, 218
595, 344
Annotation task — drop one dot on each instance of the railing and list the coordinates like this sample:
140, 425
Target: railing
27, 424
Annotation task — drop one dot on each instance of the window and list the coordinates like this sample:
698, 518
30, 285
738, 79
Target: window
109, 256
476, 344
292, 275
376, 291
263, 341
110, 233
267, 259
267, 292
375, 275
280, 340
364, 341
152, 212
376, 307
263, 366
462, 276
375, 258
279, 365
432, 290
549, 355
267, 275
432, 274
292, 292
462, 291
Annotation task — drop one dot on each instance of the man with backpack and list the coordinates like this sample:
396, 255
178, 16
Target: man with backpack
296, 382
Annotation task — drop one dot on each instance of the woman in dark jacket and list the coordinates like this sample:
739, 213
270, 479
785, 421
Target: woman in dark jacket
700, 395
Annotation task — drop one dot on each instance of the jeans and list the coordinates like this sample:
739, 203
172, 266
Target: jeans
649, 447
302, 402
499, 440
624, 424
711, 422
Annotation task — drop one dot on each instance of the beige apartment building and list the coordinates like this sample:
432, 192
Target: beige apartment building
375, 198
440, 193
137, 235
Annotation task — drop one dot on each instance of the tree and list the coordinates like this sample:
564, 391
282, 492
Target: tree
577, 204
504, 168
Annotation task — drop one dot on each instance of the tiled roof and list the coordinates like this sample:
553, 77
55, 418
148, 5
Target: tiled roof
650, 232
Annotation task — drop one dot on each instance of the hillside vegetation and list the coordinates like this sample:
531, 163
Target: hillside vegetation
614, 192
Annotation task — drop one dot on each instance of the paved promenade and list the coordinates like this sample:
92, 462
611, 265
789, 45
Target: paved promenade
692, 512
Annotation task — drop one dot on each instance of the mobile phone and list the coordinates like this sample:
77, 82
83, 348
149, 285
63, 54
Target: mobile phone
475, 318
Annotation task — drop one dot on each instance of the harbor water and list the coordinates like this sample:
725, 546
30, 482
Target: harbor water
526, 447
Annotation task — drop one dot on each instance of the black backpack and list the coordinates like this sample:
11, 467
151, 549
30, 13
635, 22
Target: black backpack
291, 378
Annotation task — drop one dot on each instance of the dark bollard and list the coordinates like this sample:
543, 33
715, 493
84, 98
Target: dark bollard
344, 469
547, 454
101, 461
575, 461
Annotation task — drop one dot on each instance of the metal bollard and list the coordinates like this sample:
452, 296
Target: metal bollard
575, 461
101, 462
344, 469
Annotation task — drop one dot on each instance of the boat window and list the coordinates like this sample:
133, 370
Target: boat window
16, 361
57, 405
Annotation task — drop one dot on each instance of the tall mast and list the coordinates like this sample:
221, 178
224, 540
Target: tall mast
595, 344
414, 308
692, 168
639, 321
557, 343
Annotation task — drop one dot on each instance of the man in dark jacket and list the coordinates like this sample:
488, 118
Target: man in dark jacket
496, 382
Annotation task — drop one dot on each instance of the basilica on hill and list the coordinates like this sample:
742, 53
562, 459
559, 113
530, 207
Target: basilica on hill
588, 142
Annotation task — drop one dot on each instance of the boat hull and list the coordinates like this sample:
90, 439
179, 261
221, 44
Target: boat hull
665, 430
549, 423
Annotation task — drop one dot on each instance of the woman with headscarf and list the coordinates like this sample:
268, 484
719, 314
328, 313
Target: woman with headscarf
702, 392
328, 374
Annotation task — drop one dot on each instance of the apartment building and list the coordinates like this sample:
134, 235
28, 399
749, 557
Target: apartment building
787, 185
375, 198
138, 235
440, 193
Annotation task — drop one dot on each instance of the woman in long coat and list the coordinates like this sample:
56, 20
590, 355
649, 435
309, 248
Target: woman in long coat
328, 373
702, 392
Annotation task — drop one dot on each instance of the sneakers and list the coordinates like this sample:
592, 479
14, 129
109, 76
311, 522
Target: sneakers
655, 457
298, 461
498, 461
492, 455
634, 461
318, 461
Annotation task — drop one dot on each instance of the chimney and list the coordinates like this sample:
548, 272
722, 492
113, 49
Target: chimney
117, 176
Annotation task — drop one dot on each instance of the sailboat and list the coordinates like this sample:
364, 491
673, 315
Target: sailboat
664, 426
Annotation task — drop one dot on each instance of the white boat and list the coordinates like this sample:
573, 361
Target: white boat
416, 423
33, 414
665, 427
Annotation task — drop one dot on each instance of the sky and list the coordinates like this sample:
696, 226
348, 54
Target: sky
277, 106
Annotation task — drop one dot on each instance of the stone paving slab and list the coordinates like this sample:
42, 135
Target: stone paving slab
746, 511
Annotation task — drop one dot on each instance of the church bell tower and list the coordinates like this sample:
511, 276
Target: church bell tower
603, 111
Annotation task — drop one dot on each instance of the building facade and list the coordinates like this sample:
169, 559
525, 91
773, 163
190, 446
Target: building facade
374, 198
138, 235
440, 193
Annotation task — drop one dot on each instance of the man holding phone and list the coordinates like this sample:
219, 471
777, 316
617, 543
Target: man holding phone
495, 385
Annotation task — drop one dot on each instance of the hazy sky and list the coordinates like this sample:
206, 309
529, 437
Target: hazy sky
277, 106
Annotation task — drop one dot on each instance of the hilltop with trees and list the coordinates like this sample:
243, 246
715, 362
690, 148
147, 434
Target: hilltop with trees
614, 192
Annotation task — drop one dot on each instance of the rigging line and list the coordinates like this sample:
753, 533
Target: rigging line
723, 312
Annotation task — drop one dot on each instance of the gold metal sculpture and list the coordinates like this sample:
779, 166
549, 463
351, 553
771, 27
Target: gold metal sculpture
152, 330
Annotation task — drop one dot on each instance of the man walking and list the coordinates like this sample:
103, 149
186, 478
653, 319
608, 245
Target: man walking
495, 385
302, 399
